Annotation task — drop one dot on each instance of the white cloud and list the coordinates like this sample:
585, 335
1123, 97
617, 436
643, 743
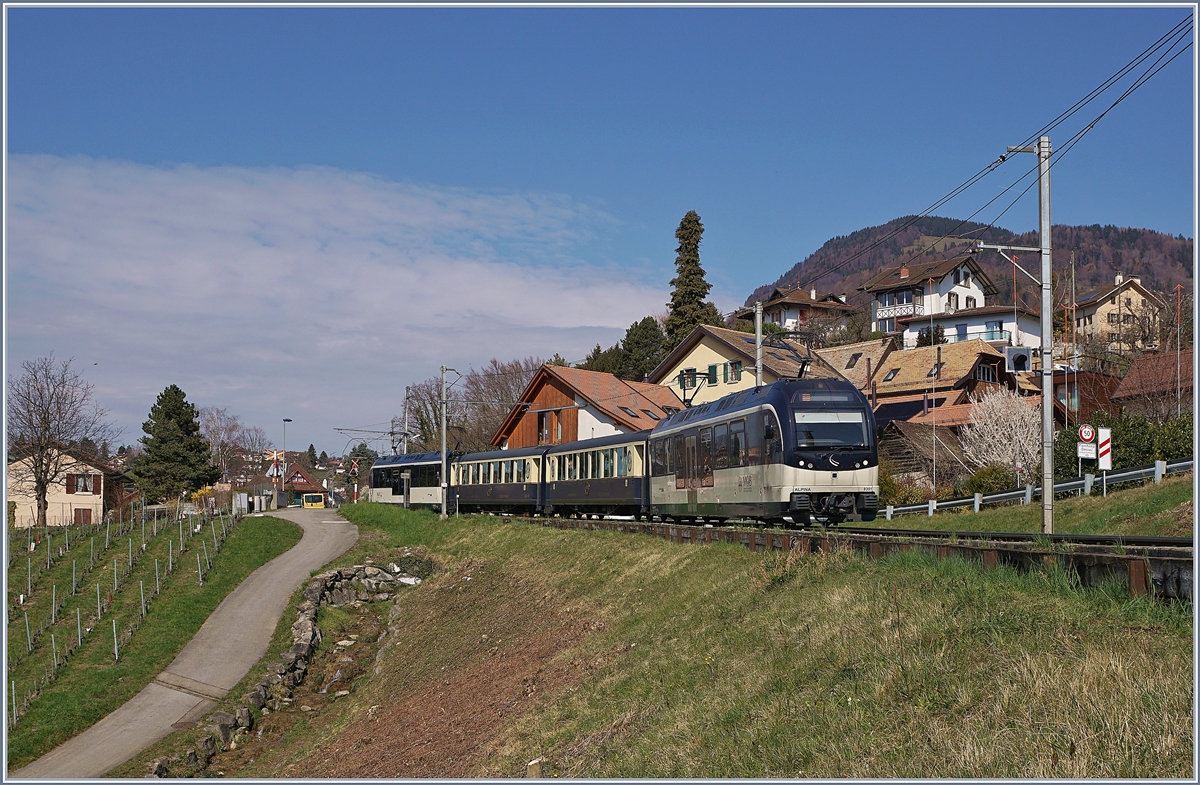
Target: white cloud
314, 293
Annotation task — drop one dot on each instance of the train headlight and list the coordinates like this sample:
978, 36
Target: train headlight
857, 465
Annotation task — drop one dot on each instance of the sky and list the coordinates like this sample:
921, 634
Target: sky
295, 212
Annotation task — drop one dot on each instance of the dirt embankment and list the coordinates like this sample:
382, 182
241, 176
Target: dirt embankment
476, 648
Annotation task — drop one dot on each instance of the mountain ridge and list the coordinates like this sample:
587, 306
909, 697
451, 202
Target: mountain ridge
844, 262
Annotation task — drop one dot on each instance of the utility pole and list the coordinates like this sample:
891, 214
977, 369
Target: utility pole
1178, 348
404, 435
1047, 314
758, 344
445, 463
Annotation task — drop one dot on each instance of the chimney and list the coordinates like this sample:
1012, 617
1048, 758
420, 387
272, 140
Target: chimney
1120, 278
1135, 278
903, 271
842, 297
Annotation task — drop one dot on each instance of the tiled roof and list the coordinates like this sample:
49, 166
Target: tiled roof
608, 394
781, 357
308, 484
870, 353
1096, 296
1155, 373
958, 358
797, 296
921, 437
889, 277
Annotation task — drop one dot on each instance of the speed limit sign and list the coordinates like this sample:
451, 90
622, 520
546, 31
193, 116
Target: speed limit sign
1086, 433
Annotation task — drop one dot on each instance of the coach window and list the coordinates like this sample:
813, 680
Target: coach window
679, 462
497, 472
668, 455
705, 457
737, 443
773, 439
754, 442
572, 461
522, 470
658, 458
608, 463
721, 446
508, 471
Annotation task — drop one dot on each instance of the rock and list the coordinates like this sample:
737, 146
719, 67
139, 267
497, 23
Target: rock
222, 732
158, 768
255, 699
206, 748
221, 718
306, 708
409, 580
346, 643
191, 760
244, 718
341, 693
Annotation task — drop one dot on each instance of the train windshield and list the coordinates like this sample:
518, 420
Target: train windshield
831, 429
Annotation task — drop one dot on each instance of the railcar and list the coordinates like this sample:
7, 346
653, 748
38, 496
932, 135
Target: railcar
413, 480
801, 450
602, 476
502, 481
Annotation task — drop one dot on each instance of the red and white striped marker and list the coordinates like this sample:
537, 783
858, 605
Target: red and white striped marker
1104, 454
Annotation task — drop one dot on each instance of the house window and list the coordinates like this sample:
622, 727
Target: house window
687, 378
904, 297
960, 332
952, 300
853, 360
966, 279
887, 325
970, 301
712, 375
83, 516
885, 299
1112, 318
1126, 318
957, 276
628, 411
985, 373
732, 371
891, 374
650, 414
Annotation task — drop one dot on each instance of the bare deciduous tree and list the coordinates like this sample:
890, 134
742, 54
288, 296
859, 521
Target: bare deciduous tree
476, 405
50, 408
223, 431
1005, 429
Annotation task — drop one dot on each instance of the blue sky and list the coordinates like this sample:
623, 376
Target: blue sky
274, 207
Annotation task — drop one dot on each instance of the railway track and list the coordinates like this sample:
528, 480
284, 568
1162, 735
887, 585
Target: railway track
1159, 567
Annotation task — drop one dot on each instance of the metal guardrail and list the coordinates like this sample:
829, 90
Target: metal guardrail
1027, 494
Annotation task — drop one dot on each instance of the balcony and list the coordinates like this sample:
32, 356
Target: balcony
893, 311
991, 336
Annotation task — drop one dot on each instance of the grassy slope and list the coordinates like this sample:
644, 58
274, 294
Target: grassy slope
94, 685
1163, 509
714, 662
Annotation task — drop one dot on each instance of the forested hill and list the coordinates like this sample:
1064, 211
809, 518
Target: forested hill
843, 263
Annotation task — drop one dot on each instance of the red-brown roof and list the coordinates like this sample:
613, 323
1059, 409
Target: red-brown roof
605, 392
300, 480
1154, 373
889, 278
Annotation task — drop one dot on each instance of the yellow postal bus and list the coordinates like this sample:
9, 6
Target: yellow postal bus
314, 501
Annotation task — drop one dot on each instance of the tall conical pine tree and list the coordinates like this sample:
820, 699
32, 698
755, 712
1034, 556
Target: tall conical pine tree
177, 459
687, 306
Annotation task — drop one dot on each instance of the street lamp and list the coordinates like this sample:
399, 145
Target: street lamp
283, 477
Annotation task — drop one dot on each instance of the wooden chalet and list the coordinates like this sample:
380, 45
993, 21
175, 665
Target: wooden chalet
564, 404
910, 448
1157, 385
299, 482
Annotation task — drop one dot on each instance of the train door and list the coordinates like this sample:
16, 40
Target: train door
691, 471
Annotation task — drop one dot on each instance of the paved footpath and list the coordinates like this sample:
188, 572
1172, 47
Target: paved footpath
229, 643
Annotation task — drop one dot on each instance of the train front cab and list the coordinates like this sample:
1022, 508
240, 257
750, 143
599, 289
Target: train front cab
420, 488
732, 458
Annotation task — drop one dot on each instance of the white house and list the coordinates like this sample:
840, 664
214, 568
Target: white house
944, 286
76, 498
998, 325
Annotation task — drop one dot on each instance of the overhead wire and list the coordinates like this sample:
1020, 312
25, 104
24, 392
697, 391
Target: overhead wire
1172, 37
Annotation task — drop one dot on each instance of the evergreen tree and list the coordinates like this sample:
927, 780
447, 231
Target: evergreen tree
608, 360
939, 336
687, 306
324, 457
176, 459
312, 457
644, 347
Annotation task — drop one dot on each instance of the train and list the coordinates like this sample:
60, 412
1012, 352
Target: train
796, 451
